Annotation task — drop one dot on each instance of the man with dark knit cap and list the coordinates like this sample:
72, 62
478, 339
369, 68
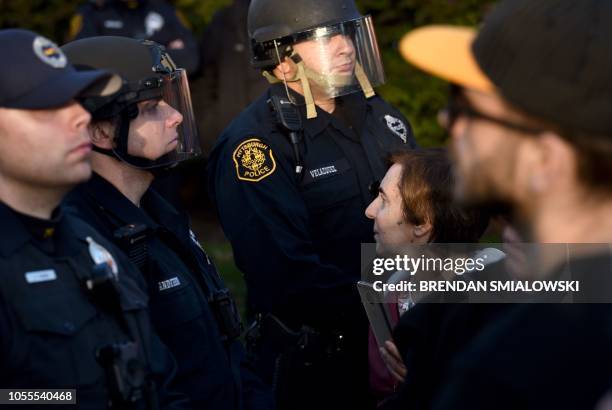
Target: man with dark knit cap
531, 125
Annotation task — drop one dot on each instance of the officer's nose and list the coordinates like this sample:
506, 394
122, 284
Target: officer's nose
79, 117
174, 118
344, 44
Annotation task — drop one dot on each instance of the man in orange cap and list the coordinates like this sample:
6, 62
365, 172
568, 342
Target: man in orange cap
531, 125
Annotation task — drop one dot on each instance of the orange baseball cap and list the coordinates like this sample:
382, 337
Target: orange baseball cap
446, 52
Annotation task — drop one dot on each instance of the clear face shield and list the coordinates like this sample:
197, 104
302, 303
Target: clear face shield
164, 132
336, 60
341, 59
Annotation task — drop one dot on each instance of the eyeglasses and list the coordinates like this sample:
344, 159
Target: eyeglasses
458, 106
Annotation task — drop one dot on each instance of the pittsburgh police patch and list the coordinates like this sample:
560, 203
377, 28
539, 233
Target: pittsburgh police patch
49, 52
254, 160
397, 126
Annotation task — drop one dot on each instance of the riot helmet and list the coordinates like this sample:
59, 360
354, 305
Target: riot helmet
333, 46
149, 75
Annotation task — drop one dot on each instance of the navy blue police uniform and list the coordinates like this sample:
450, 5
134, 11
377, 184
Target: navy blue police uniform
55, 333
190, 306
154, 20
296, 237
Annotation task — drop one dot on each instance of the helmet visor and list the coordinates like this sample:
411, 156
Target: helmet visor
338, 57
164, 132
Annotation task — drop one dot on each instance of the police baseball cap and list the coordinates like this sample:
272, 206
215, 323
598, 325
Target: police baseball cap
552, 59
37, 74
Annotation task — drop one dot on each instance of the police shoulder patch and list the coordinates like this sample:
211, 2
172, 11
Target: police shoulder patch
254, 160
397, 126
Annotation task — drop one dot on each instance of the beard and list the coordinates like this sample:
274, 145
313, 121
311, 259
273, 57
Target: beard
475, 192
482, 183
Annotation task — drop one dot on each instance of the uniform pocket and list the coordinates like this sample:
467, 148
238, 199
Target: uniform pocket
171, 309
63, 313
327, 193
61, 341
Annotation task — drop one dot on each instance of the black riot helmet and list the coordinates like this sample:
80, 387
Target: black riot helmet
148, 73
343, 55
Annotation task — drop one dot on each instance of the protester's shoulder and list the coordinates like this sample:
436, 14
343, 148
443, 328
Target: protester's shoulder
526, 333
422, 319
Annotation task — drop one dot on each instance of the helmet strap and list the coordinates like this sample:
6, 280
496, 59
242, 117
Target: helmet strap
302, 75
120, 140
311, 110
364, 82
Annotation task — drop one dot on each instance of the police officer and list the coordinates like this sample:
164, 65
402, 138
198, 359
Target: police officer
72, 308
138, 134
155, 20
290, 178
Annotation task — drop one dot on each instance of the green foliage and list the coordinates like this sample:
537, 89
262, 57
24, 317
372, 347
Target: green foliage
198, 12
47, 17
416, 94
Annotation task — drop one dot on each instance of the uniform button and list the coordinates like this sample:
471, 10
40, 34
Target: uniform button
69, 326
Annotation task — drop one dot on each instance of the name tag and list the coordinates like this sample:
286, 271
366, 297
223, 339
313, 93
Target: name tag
39, 276
169, 283
319, 172
326, 171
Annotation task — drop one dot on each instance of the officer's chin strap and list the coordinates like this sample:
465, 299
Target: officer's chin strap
302, 75
364, 81
126, 115
120, 152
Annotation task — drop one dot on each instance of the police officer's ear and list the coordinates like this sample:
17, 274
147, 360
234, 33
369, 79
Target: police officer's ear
101, 134
286, 70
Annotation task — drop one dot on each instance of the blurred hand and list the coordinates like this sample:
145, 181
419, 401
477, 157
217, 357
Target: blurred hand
393, 360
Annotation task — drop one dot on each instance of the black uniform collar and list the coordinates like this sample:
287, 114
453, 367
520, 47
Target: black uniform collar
163, 212
154, 212
111, 200
15, 233
355, 107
